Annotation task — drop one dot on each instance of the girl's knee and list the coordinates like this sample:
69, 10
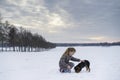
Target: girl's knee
71, 64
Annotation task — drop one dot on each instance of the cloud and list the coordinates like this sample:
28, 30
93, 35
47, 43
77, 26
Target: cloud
66, 20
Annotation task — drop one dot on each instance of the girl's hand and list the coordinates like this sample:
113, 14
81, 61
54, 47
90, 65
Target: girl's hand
69, 67
81, 60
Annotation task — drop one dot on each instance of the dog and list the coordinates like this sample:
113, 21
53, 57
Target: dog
81, 65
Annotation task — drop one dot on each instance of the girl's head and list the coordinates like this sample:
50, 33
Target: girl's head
70, 51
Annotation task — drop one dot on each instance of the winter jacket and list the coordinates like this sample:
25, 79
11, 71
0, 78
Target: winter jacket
64, 61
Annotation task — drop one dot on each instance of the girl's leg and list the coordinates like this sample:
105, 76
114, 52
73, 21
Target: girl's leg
71, 64
65, 70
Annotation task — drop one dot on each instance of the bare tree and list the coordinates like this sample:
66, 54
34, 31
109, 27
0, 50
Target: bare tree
12, 35
1, 32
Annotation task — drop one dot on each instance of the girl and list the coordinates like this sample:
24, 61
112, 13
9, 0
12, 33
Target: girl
64, 64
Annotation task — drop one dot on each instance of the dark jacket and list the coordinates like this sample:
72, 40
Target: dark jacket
64, 60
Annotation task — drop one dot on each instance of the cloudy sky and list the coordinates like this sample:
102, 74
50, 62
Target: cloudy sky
66, 20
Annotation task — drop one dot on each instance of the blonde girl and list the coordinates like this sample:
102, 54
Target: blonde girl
64, 64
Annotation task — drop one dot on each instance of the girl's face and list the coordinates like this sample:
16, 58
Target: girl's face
71, 53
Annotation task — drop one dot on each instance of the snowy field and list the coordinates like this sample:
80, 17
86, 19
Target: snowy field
105, 64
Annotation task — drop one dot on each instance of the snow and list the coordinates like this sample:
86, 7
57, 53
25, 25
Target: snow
104, 61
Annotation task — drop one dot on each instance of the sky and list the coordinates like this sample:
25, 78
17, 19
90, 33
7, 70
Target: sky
66, 21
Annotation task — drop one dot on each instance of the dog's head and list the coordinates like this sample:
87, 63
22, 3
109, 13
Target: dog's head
77, 69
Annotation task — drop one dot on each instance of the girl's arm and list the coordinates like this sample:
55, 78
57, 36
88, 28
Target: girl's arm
75, 59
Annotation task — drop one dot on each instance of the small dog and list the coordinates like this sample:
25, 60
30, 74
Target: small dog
81, 65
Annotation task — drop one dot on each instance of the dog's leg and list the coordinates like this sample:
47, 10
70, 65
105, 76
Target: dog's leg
87, 69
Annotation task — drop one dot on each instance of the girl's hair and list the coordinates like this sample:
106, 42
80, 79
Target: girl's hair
69, 50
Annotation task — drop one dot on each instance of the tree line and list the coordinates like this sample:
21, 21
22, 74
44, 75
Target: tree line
106, 44
20, 39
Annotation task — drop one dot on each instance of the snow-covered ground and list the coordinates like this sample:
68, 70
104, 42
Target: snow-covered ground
105, 64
